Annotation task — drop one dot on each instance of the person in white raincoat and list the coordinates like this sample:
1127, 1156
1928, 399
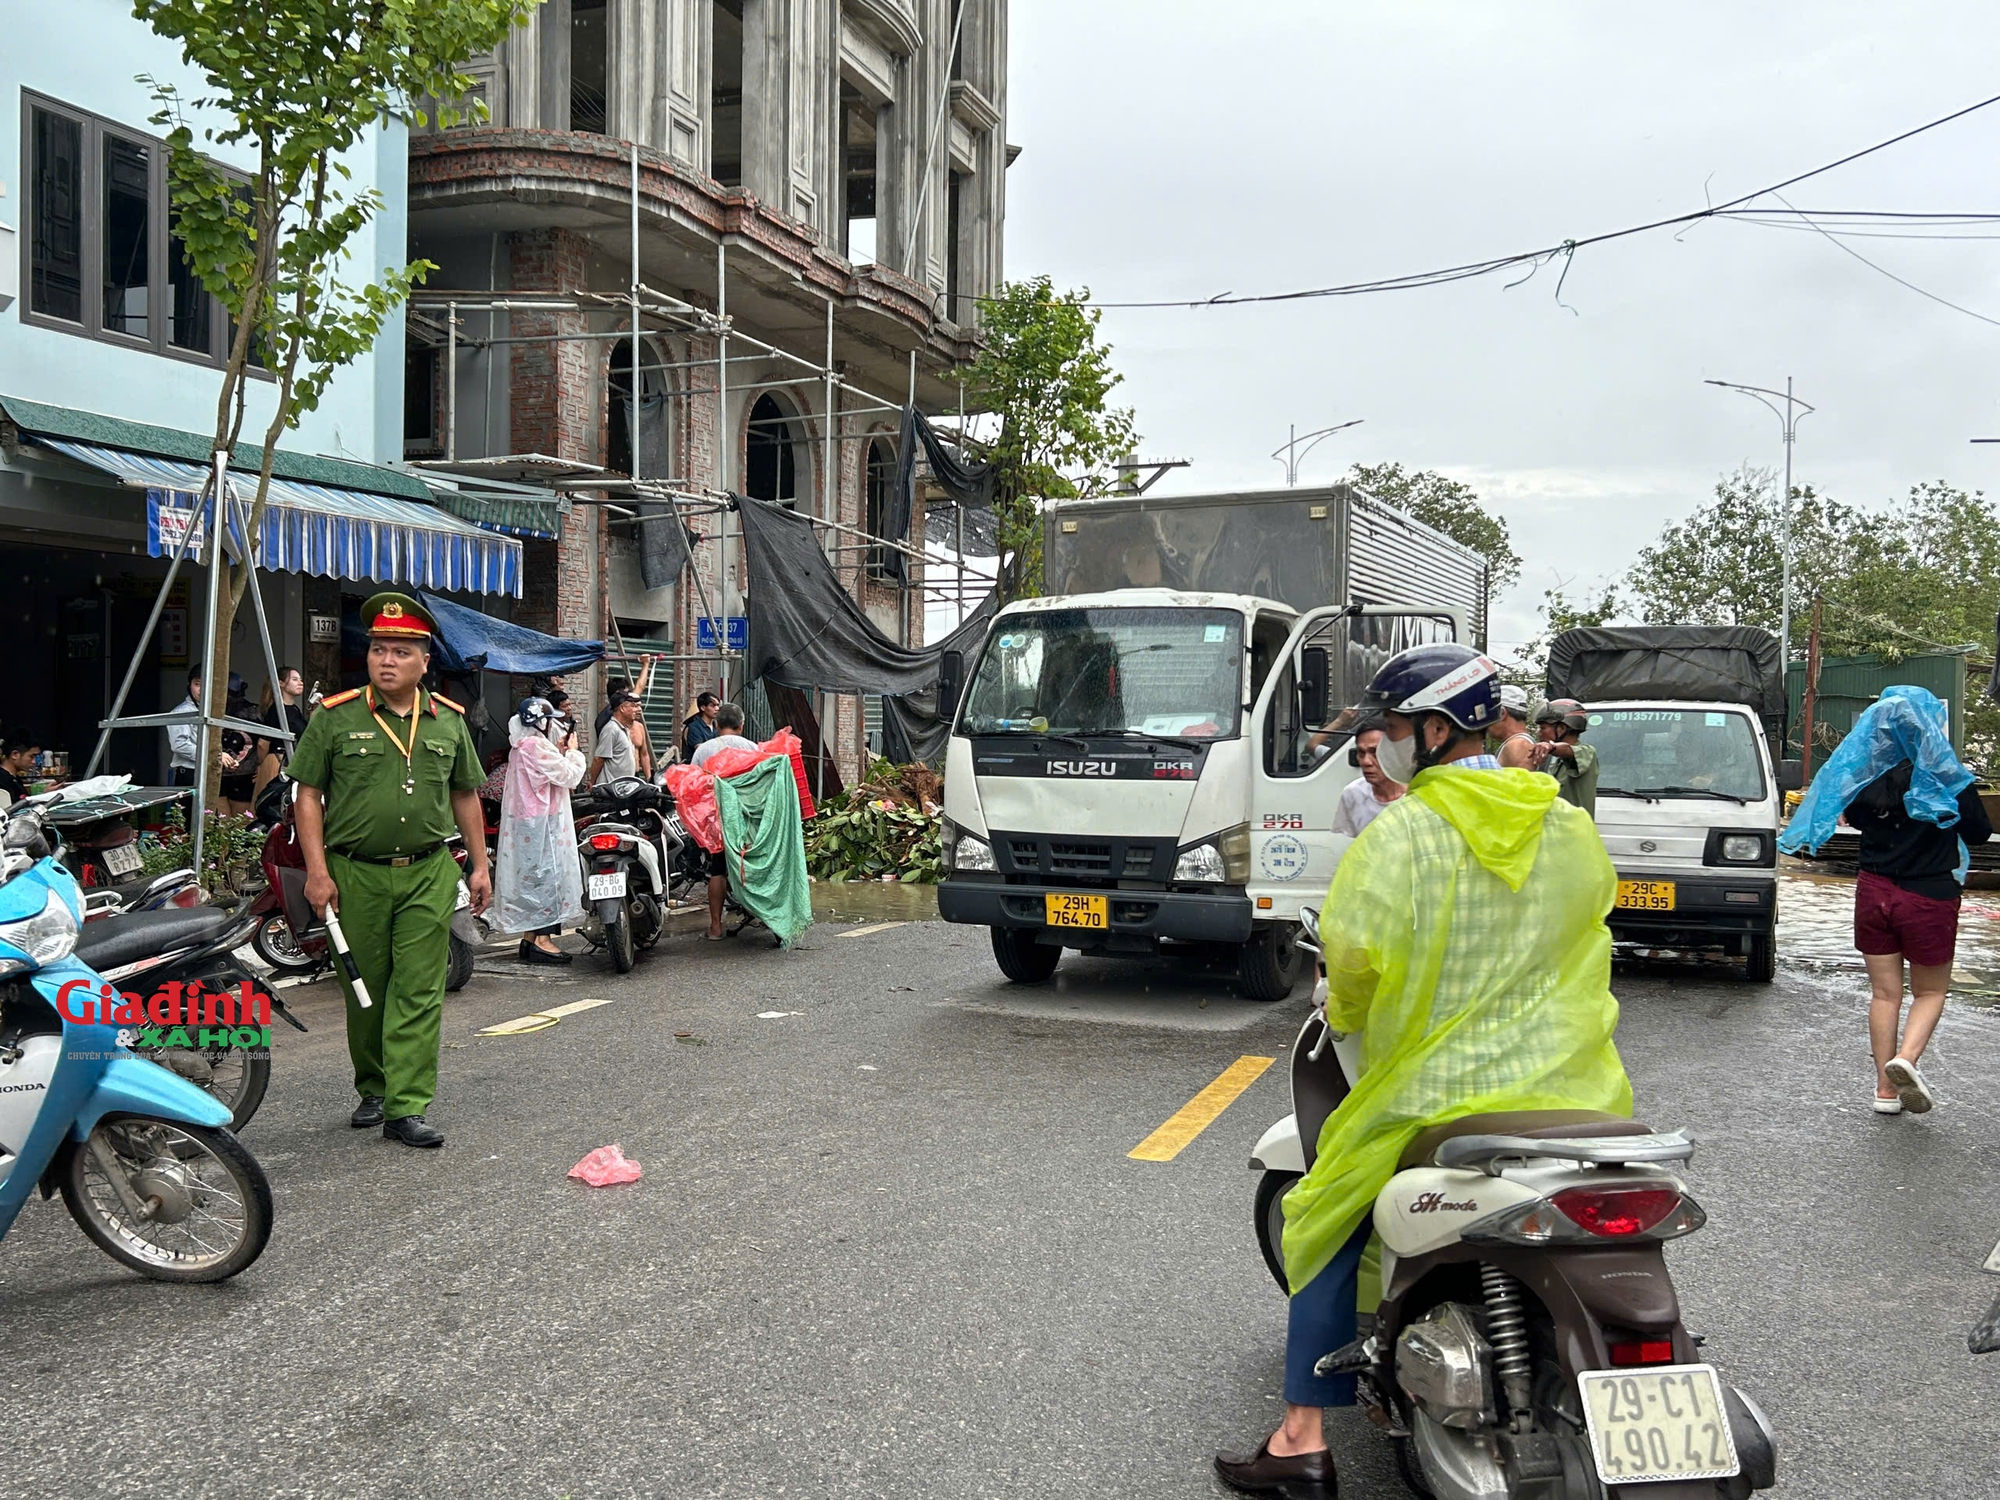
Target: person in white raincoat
538, 883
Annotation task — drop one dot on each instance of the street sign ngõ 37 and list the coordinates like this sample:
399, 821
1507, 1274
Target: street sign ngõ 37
738, 633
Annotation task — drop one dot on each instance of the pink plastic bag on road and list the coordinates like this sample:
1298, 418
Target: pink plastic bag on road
607, 1166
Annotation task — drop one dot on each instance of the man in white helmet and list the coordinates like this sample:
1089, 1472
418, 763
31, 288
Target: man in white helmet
1513, 741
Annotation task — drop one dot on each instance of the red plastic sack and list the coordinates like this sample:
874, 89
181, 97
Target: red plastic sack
607, 1166
693, 791
693, 787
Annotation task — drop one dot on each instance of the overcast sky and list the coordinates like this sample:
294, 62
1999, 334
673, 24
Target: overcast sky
1181, 148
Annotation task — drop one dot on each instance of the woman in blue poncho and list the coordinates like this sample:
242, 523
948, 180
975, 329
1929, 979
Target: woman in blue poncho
1912, 801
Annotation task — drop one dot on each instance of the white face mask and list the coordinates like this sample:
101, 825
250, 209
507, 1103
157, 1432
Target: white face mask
1397, 758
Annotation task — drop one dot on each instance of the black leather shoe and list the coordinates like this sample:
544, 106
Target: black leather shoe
412, 1131
534, 955
367, 1113
1305, 1476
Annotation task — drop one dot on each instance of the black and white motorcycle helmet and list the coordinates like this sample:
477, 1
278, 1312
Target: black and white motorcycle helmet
1445, 677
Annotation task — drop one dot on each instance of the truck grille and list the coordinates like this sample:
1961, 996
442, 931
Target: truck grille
1086, 861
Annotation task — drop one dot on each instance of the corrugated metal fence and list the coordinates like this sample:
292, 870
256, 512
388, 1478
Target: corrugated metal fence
1848, 684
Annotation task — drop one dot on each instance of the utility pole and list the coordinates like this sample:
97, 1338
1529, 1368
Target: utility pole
1811, 692
1291, 455
1788, 419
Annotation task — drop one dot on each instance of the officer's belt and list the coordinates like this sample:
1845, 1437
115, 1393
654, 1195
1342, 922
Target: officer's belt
394, 861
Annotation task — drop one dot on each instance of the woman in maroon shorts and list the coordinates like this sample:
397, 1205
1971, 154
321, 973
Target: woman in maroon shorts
1906, 909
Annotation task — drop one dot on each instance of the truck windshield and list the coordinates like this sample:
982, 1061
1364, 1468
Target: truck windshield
1162, 671
1677, 752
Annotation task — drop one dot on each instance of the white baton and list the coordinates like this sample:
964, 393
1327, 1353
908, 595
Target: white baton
346, 956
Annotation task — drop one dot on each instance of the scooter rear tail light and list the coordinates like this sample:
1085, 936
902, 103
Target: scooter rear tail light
1620, 1213
192, 896
1643, 1352
604, 841
1617, 1213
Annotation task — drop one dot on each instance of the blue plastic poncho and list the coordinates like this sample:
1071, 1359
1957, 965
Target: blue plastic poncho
1904, 724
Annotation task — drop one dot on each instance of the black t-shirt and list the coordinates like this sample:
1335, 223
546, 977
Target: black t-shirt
1916, 855
12, 785
294, 720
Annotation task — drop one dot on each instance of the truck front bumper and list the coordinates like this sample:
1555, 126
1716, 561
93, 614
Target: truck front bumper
1710, 909
1136, 917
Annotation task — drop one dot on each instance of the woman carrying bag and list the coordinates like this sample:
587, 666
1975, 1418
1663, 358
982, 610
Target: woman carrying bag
1907, 793
538, 882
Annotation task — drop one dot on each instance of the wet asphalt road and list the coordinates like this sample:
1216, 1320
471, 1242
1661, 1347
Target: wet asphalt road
892, 1245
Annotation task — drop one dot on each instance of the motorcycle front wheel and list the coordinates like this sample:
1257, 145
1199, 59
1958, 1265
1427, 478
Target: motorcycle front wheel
236, 1077
274, 943
458, 966
1271, 1190
204, 1205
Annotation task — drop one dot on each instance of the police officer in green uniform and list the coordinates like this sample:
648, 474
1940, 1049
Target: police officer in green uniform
384, 774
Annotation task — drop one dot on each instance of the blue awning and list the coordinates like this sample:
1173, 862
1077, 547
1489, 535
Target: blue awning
322, 530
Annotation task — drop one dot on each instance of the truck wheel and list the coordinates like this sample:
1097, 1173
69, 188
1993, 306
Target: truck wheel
1021, 958
1269, 965
1761, 966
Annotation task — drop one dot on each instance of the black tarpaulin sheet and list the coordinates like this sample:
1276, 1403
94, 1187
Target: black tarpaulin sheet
1685, 663
911, 726
967, 484
805, 631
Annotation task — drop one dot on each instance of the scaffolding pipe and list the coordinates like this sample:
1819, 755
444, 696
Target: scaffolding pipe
633, 428
451, 387
204, 735
725, 435
831, 504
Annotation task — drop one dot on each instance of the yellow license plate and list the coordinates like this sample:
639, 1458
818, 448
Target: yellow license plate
1078, 911
1646, 895
1666, 1422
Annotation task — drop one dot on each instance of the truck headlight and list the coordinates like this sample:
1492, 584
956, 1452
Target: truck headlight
47, 936
1222, 860
1743, 846
964, 851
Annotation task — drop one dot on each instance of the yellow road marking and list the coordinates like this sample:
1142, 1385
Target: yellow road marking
864, 931
1200, 1112
540, 1020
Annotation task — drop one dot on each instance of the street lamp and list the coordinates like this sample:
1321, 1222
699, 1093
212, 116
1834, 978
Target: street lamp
1291, 455
1788, 420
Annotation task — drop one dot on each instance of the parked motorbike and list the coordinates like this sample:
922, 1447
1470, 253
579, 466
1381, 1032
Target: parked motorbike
290, 937
143, 1159
627, 848
147, 893
146, 951
1529, 1343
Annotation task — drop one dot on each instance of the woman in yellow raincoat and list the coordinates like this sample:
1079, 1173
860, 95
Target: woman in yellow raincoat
1464, 937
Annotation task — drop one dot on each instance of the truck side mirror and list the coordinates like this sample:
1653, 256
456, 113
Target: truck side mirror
1314, 684
1791, 775
951, 682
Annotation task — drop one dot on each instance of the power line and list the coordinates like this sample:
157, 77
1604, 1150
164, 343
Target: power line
1847, 249
1567, 249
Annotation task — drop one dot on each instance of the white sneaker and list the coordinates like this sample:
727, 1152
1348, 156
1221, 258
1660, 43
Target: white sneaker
1910, 1087
1888, 1106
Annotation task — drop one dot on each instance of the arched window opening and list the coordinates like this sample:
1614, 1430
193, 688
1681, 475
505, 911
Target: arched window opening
770, 461
881, 475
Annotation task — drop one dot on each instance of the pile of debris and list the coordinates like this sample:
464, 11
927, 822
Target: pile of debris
885, 827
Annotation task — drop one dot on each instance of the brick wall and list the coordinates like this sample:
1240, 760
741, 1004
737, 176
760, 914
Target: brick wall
553, 409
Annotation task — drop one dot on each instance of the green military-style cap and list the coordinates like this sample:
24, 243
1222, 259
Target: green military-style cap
398, 617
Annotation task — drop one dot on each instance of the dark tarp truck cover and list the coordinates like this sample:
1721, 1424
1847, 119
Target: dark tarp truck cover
1677, 663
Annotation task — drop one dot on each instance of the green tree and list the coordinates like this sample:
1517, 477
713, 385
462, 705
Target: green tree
298, 83
1559, 612
1048, 377
1444, 505
1724, 565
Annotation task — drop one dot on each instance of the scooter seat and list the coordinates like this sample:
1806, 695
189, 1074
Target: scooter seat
128, 937
1533, 1124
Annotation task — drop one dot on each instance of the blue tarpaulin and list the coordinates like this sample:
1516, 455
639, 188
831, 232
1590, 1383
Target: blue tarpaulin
467, 640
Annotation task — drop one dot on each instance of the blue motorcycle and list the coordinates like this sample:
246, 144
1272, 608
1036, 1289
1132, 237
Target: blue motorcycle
141, 1156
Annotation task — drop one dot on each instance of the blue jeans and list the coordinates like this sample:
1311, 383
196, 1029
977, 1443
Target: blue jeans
1322, 1320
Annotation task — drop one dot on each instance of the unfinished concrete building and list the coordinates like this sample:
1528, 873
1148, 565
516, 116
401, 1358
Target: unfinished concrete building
830, 174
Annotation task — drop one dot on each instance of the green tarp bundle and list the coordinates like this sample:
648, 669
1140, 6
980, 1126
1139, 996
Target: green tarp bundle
763, 843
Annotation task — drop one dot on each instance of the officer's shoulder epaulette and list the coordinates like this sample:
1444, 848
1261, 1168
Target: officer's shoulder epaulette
456, 708
339, 698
